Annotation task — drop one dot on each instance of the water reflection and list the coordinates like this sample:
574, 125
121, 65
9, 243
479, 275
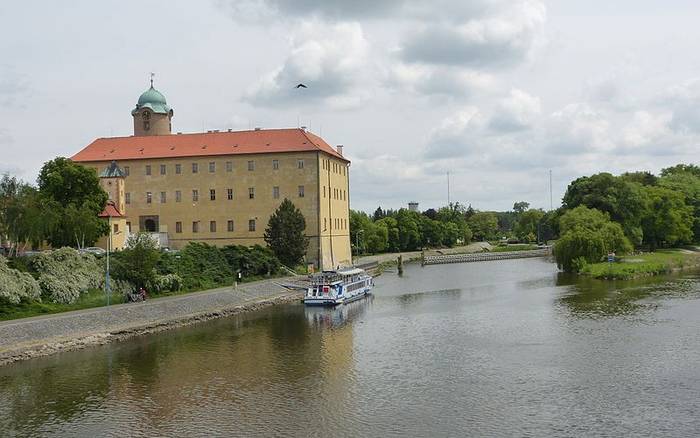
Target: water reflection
336, 317
591, 298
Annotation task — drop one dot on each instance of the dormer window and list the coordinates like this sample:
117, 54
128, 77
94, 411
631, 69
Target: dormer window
146, 115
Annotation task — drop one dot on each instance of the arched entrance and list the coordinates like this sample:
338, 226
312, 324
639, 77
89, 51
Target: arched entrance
149, 224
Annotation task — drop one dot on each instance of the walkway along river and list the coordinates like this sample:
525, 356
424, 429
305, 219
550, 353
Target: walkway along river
509, 348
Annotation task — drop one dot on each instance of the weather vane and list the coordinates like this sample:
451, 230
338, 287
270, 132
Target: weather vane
152, 76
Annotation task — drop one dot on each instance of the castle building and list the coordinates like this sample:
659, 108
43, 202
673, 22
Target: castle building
221, 187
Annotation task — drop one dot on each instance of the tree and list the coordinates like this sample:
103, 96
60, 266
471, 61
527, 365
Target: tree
528, 224
691, 169
624, 201
431, 213
409, 233
587, 235
643, 178
668, 221
688, 184
378, 214
392, 233
285, 234
74, 194
137, 262
484, 225
520, 207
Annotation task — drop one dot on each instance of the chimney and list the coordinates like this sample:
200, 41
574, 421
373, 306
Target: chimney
229, 129
303, 128
339, 148
257, 128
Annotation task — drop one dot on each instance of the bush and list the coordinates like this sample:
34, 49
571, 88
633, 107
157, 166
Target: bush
166, 283
64, 274
16, 286
203, 266
136, 264
254, 261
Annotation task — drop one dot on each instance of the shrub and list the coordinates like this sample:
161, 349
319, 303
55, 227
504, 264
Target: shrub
136, 264
203, 266
64, 274
254, 261
166, 283
16, 286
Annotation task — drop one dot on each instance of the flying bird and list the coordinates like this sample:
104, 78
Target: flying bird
301, 86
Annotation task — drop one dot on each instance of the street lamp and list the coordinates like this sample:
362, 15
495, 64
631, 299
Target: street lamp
357, 240
108, 289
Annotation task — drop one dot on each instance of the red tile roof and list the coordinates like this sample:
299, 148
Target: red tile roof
204, 144
110, 211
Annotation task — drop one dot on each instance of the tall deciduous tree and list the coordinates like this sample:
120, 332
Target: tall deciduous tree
484, 225
74, 193
624, 201
285, 234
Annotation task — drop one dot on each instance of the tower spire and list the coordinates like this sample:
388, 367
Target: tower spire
152, 76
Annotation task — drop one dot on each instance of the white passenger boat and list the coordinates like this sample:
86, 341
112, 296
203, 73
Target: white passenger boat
330, 288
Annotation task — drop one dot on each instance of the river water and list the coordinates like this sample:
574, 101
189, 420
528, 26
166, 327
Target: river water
508, 348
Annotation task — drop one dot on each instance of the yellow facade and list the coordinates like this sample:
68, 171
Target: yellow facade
208, 199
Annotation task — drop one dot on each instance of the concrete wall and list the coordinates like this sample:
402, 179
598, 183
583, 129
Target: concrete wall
316, 205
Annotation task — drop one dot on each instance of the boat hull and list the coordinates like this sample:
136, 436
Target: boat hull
328, 301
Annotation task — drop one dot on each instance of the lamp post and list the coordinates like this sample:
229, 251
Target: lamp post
357, 240
108, 289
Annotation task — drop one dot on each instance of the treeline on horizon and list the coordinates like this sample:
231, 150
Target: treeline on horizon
600, 214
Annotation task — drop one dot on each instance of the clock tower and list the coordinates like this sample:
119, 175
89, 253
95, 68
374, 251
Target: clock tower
152, 115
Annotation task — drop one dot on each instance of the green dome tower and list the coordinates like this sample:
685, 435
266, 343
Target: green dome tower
152, 115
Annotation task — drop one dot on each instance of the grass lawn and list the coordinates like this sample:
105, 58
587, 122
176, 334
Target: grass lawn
655, 263
94, 298
519, 247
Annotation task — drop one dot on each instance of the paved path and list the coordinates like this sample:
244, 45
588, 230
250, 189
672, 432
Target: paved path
390, 257
33, 333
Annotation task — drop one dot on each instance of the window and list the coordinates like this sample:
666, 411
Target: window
325, 224
162, 197
212, 167
116, 228
229, 166
149, 197
126, 170
229, 194
212, 226
195, 167
195, 195
178, 227
178, 168
195, 227
276, 192
275, 164
127, 198
300, 164
324, 191
128, 227
162, 169
229, 226
148, 169
251, 165
212, 194
251, 192
178, 196
301, 191
251, 225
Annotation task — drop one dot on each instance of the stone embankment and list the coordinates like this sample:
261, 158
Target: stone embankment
44, 335
482, 257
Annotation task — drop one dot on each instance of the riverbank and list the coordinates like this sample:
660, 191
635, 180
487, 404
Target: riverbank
389, 259
45, 335
644, 265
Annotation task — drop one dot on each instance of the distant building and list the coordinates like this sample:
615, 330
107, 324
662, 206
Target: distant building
221, 187
413, 206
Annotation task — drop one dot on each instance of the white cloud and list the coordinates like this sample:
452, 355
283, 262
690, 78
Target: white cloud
485, 42
331, 60
422, 79
457, 135
517, 112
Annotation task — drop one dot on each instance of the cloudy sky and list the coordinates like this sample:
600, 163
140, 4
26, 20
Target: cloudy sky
495, 92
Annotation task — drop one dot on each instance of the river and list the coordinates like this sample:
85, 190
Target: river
509, 348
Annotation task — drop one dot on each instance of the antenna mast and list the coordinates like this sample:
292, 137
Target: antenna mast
448, 189
551, 204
